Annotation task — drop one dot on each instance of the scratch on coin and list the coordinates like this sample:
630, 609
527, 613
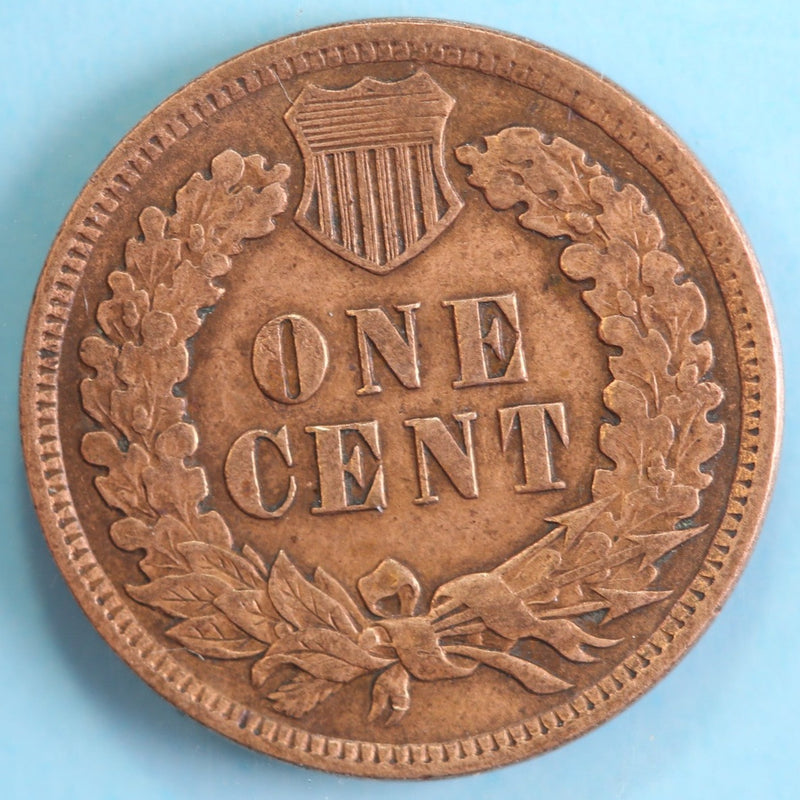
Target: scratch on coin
283, 89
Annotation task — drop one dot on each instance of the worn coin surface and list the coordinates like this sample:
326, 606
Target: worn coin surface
400, 399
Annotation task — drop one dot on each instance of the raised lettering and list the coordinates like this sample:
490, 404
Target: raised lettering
342, 472
536, 442
457, 462
290, 358
374, 330
242, 474
489, 340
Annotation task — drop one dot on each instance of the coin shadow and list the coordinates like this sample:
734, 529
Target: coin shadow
31, 209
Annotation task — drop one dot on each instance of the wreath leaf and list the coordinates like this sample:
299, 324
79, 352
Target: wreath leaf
550, 178
96, 392
190, 290
152, 259
302, 694
217, 213
235, 571
323, 653
252, 611
185, 596
304, 605
163, 554
215, 636
121, 316
123, 486
625, 216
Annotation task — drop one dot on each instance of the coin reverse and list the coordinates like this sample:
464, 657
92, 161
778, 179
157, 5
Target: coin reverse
400, 399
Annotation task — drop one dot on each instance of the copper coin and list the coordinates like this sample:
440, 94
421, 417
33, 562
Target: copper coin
400, 399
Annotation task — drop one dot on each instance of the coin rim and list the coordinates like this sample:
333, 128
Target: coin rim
573, 85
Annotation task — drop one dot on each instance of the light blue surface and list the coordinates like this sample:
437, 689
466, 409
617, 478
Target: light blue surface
75, 721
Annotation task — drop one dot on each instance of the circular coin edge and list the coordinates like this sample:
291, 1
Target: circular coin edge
285, 741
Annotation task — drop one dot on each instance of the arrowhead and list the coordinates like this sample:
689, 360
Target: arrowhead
578, 521
657, 545
621, 601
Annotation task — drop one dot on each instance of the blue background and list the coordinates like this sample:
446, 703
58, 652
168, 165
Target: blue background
74, 720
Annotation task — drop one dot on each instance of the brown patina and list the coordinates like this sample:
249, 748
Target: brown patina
400, 399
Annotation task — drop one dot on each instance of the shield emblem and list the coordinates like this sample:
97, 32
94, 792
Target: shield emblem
376, 192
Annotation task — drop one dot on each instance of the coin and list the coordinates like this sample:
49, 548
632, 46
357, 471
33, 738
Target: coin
400, 399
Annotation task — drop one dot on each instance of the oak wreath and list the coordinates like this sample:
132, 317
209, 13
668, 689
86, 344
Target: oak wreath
600, 557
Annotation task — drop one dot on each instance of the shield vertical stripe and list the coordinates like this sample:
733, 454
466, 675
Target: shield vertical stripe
369, 226
406, 196
323, 192
386, 194
344, 197
427, 190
